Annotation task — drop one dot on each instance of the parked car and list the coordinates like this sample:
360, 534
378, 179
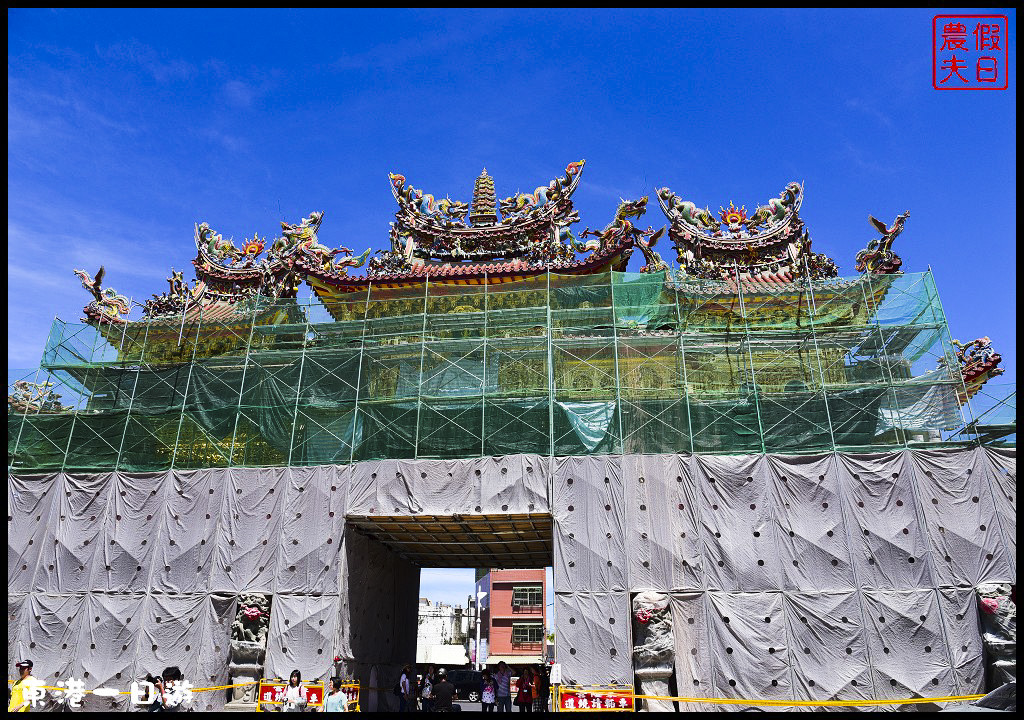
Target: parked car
467, 684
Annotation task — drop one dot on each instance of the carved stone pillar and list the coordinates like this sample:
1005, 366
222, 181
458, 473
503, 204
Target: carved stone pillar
248, 645
999, 633
653, 649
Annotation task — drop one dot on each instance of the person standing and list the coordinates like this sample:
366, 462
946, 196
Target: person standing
157, 702
444, 691
337, 701
406, 693
426, 690
20, 703
487, 687
172, 697
541, 689
524, 690
294, 700
503, 691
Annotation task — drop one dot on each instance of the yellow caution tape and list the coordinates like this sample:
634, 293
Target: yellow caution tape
225, 687
811, 703
718, 701
128, 692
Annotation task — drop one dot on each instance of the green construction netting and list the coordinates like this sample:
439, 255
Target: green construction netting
563, 365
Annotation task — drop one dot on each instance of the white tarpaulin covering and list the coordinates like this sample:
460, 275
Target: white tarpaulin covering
792, 577
490, 485
820, 577
115, 576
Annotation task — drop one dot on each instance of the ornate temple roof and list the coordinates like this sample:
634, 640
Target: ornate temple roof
497, 241
978, 363
426, 230
771, 245
520, 236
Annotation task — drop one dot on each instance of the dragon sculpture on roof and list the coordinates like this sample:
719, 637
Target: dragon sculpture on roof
213, 245
621, 231
521, 204
448, 212
977, 362
299, 243
34, 398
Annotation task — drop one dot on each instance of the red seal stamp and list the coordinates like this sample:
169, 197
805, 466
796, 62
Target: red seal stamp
970, 52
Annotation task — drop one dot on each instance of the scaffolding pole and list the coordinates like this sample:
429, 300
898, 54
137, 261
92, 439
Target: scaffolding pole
951, 361
812, 310
682, 359
359, 375
184, 396
241, 387
423, 352
615, 356
483, 388
901, 431
551, 374
131, 400
750, 357
298, 389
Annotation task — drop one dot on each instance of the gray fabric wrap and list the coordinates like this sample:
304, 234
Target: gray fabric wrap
791, 577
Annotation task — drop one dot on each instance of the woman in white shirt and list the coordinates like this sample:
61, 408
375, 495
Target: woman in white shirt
294, 701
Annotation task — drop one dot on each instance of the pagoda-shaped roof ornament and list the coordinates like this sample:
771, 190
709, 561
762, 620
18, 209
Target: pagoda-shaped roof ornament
485, 203
533, 229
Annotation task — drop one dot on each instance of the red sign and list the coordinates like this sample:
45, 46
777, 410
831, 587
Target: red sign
273, 693
314, 695
970, 52
583, 699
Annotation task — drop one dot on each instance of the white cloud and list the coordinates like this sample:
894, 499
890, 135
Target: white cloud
239, 94
871, 110
137, 53
229, 142
447, 585
873, 163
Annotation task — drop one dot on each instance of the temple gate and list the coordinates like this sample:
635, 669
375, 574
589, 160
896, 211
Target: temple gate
753, 478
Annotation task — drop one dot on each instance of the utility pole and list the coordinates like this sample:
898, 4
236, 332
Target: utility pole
476, 654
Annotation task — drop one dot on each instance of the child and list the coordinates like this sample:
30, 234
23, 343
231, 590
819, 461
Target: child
488, 686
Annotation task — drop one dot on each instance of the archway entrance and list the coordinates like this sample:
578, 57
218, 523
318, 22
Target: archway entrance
463, 541
457, 631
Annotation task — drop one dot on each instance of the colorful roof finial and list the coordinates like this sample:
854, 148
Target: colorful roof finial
878, 258
770, 245
734, 216
484, 201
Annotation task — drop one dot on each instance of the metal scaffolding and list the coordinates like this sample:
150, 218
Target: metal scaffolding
554, 365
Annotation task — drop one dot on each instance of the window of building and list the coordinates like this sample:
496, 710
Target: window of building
527, 632
530, 595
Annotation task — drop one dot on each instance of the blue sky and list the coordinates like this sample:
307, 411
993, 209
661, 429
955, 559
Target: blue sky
454, 585
126, 127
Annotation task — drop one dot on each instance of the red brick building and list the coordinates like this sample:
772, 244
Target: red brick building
513, 616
